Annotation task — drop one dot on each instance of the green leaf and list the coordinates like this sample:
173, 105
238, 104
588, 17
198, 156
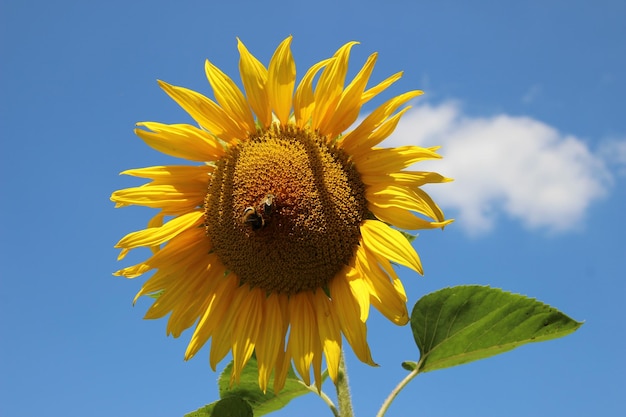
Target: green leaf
156, 294
203, 412
248, 389
409, 365
462, 324
408, 236
232, 407
228, 407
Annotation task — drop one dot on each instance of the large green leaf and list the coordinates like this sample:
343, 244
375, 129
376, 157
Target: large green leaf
203, 411
461, 324
226, 407
248, 390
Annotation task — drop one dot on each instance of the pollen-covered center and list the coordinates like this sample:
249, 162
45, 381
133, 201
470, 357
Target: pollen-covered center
283, 210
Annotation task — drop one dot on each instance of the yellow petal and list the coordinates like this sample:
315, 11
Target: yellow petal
380, 87
317, 361
170, 174
384, 160
330, 86
178, 292
156, 221
254, 78
220, 300
181, 141
206, 112
283, 360
221, 343
349, 312
390, 244
329, 332
181, 270
171, 199
157, 235
246, 329
402, 218
391, 273
360, 294
350, 102
303, 99
408, 198
382, 132
281, 81
282, 368
302, 333
206, 277
230, 97
406, 178
271, 340
386, 297
174, 250
358, 137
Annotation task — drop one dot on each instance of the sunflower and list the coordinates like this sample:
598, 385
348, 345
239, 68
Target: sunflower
278, 242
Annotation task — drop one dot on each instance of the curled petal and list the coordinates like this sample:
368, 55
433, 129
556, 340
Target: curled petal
390, 244
380, 161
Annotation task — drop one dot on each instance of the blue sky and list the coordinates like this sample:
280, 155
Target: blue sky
526, 98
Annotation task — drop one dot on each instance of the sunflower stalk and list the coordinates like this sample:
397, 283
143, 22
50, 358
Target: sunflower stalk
326, 399
394, 393
343, 389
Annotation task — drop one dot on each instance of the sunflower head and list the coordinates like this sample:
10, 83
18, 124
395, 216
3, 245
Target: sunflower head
281, 237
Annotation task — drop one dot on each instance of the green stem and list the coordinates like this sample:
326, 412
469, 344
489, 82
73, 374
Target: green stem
343, 390
394, 393
328, 402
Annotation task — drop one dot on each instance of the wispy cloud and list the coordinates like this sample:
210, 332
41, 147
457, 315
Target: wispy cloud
533, 92
516, 167
614, 152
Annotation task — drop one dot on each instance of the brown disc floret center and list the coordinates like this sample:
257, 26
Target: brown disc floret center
283, 210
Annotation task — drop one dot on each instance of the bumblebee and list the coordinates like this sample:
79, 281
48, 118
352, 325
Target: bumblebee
256, 219
252, 218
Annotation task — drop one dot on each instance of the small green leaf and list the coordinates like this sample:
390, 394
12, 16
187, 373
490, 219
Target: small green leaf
409, 365
156, 294
462, 324
408, 236
248, 389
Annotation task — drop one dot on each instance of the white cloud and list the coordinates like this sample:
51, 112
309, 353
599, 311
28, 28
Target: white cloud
503, 165
614, 152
